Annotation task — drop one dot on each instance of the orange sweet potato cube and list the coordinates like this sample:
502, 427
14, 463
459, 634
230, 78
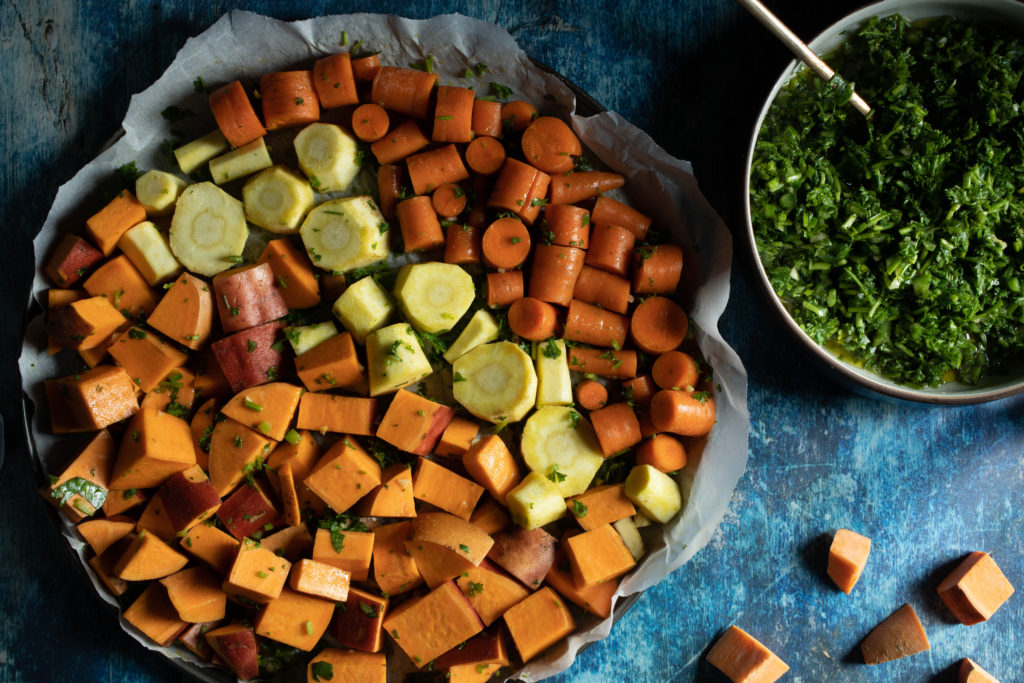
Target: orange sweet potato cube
293, 274
201, 427
93, 464
212, 546
479, 656
847, 557
333, 413
603, 505
292, 543
257, 573
185, 313
302, 455
146, 357
975, 589
320, 579
538, 622
153, 614
491, 516
491, 465
174, 394
107, 225
330, 364
102, 533
742, 658
430, 625
57, 299
156, 521
490, 591
596, 599
359, 623
348, 665
85, 324
345, 474
443, 546
104, 568
413, 423
393, 497
97, 398
234, 450
295, 619
267, 408
196, 595
394, 570
155, 446
121, 500
457, 437
598, 555
900, 635
148, 558
123, 285
289, 496
348, 550
442, 488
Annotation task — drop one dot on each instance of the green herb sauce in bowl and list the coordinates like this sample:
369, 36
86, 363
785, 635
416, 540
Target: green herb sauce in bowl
894, 247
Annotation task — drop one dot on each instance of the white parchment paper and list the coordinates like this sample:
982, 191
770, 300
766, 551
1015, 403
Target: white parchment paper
248, 45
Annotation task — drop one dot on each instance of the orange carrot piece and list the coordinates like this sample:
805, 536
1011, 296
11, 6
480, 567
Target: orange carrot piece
675, 370
600, 287
406, 91
538, 622
506, 243
462, 243
550, 145
234, 115
418, 221
288, 99
533, 319
331, 363
608, 211
535, 198
899, 636
402, 141
485, 155
603, 362
601, 505
658, 325
107, 225
743, 659
847, 557
592, 325
457, 437
453, 115
449, 200
555, 272
430, 170
504, 288
334, 82
370, 122
516, 187
365, 69
975, 589
662, 452
569, 225
293, 274
683, 412
491, 464
610, 249
487, 118
390, 179
616, 427
639, 390
442, 488
657, 269
591, 395
581, 185
517, 114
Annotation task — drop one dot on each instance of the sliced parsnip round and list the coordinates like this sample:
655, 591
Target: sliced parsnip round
434, 296
343, 234
277, 199
559, 437
208, 230
654, 493
495, 382
327, 155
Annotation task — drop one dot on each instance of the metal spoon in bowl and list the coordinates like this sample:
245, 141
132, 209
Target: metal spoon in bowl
799, 48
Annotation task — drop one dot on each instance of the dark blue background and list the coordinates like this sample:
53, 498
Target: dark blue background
927, 484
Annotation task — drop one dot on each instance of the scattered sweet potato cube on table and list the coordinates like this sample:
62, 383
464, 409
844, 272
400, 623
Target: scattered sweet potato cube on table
847, 558
744, 659
975, 589
538, 622
900, 635
970, 672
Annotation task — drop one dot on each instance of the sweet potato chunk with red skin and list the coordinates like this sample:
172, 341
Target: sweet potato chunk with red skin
414, 424
359, 624
742, 658
975, 589
71, 260
185, 313
432, 624
236, 645
248, 512
539, 622
847, 557
246, 297
487, 646
85, 324
153, 614
526, 555
899, 636
243, 368
970, 672
189, 498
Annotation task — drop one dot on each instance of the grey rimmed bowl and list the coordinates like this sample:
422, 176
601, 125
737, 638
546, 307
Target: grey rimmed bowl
1007, 13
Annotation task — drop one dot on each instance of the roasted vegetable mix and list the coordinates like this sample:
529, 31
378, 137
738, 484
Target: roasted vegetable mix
897, 241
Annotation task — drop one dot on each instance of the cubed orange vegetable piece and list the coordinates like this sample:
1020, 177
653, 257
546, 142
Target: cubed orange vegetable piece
107, 225
431, 625
350, 666
491, 464
123, 285
899, 636
267, 408
104, 572
394, 570
847, 557
971, 672
975, 589
359, 624
256, 574
292, 543
120, 500
146, 357
153, 614
348, 550
235, 644
185, 313
320, 579
177, 391
413, 423
295, 619
490, 591
333, 413
155, 520
233, 447
100, 397
196, 595
211, 545
442, 488
330, 364
293, 274
102, 533
289, 496
85, 324
443, 546
155, 445
596, 599
457, 437
393, 497
94, 464
345, 474
490, 516
148, 558
601, 505
57, 299
301, 456
538, 622
743, 659
598, 555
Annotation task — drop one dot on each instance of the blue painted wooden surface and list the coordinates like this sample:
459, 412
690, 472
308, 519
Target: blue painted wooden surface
927, 484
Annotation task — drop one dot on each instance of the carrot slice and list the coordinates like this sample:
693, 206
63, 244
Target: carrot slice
404, 140
517, 114
453, 115
608, 211
603, 362
504, 288
662, 452
533, 319
449, 200
555, 272
683, 412
419, 224
616, 427
658, 325
334, 81
485, 155
657, 269
234, 115
519, 188
605, 289
639, 390
288, 99
390, 178
675, 370
462, 244
406, 91
550, 145
581, 185
592, 325
430, 170
506, 243
610, 249
569, 225
370, 122
591, 394
365, 68
487, 118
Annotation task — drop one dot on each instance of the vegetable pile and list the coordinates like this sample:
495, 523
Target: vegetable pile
476, 449
898, 242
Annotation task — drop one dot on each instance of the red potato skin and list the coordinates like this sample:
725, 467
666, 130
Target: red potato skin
248, 511
442, 418
526, 555
479, 648
194, 639
354, 627
246, 297
243, 369
239, 651
184, 499
71, 260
